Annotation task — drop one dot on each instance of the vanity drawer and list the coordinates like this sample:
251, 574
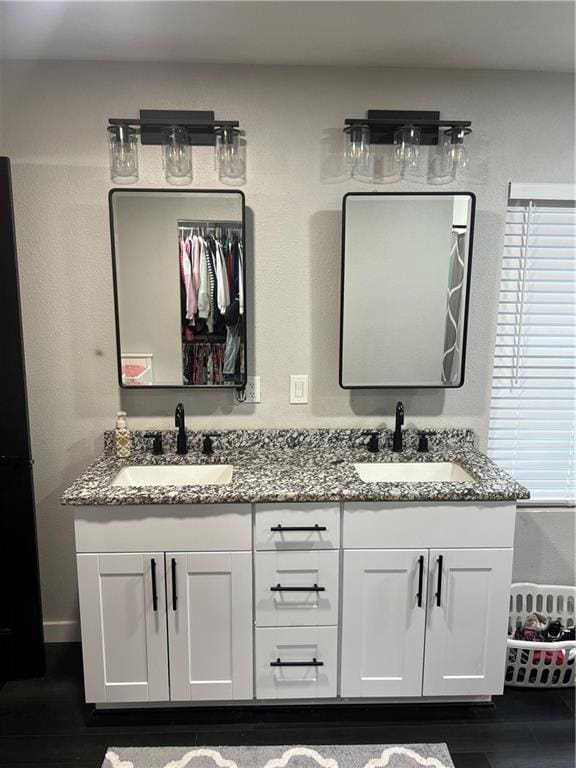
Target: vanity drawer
297, 526
296, 588
296, 662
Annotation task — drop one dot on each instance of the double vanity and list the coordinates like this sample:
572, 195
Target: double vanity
294, 564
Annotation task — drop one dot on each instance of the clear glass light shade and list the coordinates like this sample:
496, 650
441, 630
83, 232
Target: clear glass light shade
123, 151
358, 153
177, 156
407, 143
387, 167
230, 156
455, 149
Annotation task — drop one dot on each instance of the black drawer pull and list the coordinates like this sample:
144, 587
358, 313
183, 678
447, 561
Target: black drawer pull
420, 579
280, 588
313, 663
174, 594
292, 528
154, 587
439, 592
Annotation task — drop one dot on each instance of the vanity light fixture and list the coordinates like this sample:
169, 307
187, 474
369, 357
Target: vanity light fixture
406, 131
177, 131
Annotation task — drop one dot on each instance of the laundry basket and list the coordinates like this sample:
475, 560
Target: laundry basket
540, 665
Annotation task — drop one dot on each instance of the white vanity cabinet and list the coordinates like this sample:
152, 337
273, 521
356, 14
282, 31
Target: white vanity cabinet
429, 621
173, 624
235, 602
297, 595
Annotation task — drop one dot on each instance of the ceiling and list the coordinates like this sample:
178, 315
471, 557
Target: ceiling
462, 34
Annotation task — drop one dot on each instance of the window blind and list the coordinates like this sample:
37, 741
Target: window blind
532, 429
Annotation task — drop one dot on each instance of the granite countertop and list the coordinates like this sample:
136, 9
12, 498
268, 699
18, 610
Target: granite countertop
296, 466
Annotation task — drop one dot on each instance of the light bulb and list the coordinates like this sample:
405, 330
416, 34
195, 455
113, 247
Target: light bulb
177, 155
359, 154
230, 156
459, 156
456, 151
123, 151
407, 142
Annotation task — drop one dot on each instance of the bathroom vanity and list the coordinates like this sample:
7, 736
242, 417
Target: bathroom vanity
291, 577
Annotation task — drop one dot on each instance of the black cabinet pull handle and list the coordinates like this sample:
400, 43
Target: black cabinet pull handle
154, 586
439, 592
280, 588
291, 528
174, 594
280, 663
420, 579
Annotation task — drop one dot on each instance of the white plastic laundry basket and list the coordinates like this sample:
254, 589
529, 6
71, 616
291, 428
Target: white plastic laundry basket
540, 665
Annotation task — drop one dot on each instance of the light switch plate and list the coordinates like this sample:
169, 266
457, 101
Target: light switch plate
299, 389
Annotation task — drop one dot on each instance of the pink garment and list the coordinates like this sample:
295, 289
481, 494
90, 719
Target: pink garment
192, 296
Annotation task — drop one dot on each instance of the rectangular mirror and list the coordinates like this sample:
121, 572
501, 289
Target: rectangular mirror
405, 287
179, 287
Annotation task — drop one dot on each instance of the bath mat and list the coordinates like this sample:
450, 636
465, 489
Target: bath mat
342, 756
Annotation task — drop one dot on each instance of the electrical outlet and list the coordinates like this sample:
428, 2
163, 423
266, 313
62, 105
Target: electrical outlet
252, 390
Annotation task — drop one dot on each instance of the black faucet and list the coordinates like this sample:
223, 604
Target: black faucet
397, 439
181, 440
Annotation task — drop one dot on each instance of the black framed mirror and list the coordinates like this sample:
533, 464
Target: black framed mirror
179, 273
406, 264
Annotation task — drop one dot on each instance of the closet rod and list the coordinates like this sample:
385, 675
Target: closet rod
192, 225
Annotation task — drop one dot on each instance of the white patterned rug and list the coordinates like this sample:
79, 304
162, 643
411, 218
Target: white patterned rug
349, 756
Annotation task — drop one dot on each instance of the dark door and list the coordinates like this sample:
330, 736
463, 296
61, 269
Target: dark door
21, 637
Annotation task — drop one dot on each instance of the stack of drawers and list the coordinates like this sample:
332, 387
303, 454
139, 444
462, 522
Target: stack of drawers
297, 565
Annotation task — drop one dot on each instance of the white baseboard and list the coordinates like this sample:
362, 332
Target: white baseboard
61, 632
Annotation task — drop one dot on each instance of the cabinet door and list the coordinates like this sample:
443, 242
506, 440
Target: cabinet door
209, 600
467, 622
123, 620
383, 622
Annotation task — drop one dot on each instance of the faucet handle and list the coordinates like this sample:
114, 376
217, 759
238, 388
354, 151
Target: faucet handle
373, 445
207, 445
157, 448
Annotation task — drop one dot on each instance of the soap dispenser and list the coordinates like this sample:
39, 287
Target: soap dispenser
122, 436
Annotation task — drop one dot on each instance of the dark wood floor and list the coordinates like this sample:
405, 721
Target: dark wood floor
44, 723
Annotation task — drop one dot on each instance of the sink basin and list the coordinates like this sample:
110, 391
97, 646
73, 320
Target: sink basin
175, 474
413, 472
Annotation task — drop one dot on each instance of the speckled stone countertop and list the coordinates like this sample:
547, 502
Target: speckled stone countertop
296, 465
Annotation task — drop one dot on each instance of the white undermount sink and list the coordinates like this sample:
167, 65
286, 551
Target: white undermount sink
174, 474
413, 472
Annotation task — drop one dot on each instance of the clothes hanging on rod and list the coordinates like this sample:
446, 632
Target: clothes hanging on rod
212, 301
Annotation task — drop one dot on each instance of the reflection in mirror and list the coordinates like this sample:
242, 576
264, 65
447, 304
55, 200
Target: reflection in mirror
405, 284
179, 277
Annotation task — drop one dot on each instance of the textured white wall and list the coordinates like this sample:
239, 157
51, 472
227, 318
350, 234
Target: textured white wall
52, 125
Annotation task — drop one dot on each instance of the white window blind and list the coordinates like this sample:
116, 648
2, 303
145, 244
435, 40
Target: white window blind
533, 405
